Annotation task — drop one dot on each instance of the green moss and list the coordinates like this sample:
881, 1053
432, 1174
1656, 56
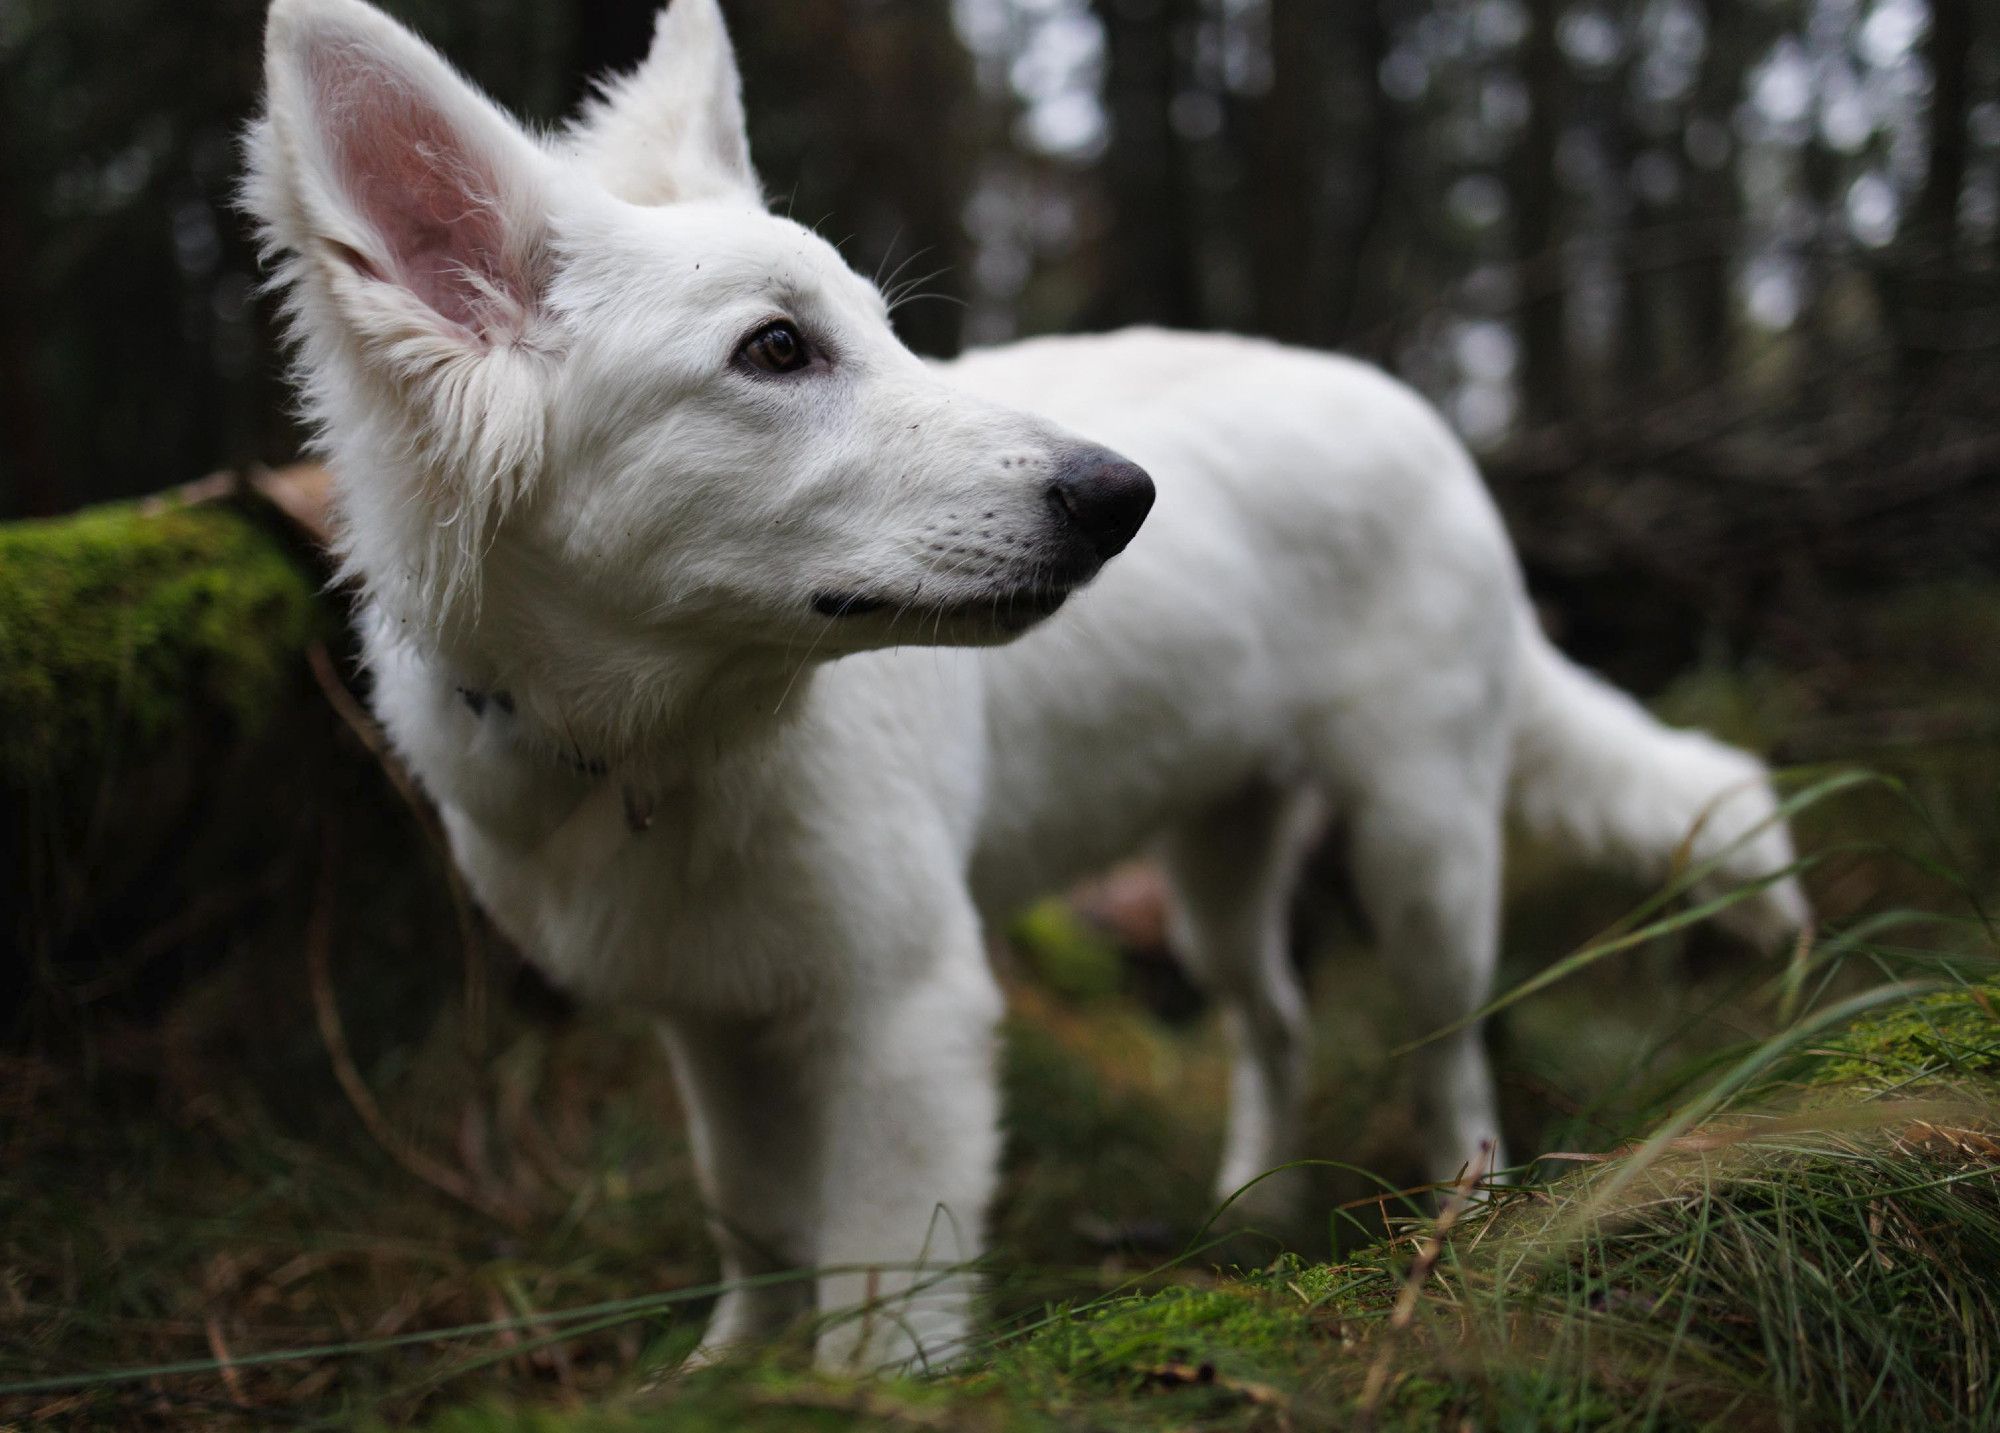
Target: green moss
1687, 1311
1242, 1330
1068, 954
1950, 1036
1292, 1346
122, 624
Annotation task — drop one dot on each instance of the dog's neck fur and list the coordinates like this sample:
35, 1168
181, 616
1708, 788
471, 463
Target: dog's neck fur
655, 730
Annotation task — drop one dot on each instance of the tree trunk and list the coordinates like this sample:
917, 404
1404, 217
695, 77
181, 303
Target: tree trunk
1288, 159
1151, 272
1931, 247
28, 478
1538, 223
1714, 208
1373, 135
1638, 338
1318, 162
1949, 55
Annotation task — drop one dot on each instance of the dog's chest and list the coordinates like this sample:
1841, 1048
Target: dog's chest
684, 913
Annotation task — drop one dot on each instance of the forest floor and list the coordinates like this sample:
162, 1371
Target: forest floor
345, 1178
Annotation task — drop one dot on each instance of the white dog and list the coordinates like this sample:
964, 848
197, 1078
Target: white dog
626, 463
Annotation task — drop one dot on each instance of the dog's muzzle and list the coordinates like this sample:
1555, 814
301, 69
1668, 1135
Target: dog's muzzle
1097, 501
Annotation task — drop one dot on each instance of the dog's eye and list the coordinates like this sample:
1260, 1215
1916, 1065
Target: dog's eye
775, 348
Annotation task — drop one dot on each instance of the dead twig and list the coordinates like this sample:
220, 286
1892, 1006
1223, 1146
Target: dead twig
326, 1012
358, 721
219, 1349
1405, 1311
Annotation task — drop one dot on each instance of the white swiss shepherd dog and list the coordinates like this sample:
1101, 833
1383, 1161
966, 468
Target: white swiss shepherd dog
757, 665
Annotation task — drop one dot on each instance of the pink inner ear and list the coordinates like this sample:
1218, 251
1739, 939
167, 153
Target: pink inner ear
419, 184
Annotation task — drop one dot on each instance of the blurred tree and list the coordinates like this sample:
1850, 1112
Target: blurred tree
1597, 224
864, 119
126, 316
1634, 124
1321, 139
27, 462
1930, 303
1538, 232
1150, 269
1710, 224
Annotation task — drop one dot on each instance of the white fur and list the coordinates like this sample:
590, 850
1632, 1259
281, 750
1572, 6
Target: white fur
558, 482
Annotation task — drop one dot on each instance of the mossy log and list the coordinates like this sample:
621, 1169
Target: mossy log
125, 627
160, 729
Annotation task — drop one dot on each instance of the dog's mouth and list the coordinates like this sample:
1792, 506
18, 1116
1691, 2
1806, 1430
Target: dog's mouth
1013, 610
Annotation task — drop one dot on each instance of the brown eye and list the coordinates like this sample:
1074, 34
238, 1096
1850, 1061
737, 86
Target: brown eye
775, 348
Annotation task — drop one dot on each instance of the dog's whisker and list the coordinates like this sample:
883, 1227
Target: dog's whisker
906, 300
884, 285
890, 253
904, 294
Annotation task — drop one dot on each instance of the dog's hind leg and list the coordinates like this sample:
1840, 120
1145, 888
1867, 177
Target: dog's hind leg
1426, 833
1231, 870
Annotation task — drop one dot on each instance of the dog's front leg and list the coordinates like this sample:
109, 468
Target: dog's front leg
912, 1151
860, 1139
755, 1134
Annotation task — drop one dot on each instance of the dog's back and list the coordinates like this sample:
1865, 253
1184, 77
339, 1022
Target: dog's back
1325, 616
1321, 552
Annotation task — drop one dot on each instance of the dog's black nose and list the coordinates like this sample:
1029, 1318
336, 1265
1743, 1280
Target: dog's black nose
1105, 497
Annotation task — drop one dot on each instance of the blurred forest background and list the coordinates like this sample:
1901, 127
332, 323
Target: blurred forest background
1713, 284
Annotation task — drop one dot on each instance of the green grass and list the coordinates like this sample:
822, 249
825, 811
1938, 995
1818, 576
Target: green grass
1772, 1271
1783, 1221
1793, 1257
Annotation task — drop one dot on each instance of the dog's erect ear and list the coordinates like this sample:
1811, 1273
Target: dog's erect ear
377, 159
409, 218
673, 129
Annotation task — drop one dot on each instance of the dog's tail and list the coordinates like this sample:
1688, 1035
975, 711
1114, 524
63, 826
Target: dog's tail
1594, 771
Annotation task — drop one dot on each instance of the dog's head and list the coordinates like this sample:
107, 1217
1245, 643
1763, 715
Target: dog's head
586, 385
